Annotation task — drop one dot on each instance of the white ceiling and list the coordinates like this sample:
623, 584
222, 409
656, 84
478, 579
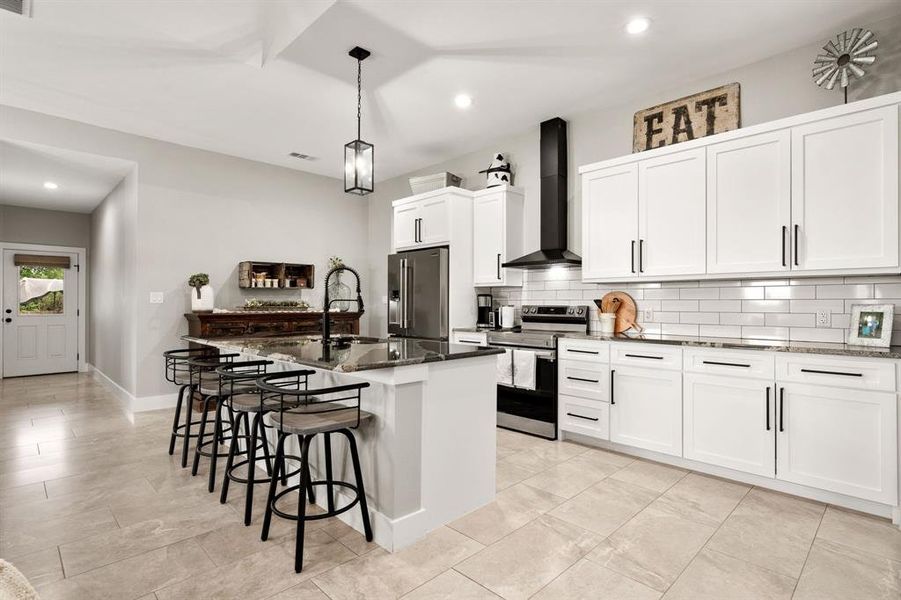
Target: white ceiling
262, 78
84, 180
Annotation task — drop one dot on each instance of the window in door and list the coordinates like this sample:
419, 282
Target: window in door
41, 290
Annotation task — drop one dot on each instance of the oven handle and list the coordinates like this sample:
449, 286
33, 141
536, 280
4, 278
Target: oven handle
541, 354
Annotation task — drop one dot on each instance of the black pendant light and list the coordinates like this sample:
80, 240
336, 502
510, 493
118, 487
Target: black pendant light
358, 155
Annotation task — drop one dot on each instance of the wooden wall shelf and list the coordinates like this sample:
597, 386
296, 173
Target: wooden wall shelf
288, 276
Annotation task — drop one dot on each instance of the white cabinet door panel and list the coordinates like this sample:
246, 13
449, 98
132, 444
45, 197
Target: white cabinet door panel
585, 417
405, 226
488, 225
729, 422
845, 192
672, 214
434, 228
839, 440
749, 204
646, 409
610, 222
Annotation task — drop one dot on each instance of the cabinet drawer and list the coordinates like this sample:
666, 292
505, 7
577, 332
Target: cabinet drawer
583, 350
652, 356
470, 339
734, 363
585, 417
584, 379
836, 371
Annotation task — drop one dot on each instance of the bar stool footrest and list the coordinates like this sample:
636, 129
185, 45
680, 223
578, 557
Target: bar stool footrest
267, 479
316, 517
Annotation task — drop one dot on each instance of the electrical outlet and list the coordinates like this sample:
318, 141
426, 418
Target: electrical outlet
824, 317
156, 297
648, 315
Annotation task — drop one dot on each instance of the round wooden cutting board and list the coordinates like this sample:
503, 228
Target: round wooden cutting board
625, 314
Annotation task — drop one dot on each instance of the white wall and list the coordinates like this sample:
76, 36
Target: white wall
201, 211
777, 87
113, 329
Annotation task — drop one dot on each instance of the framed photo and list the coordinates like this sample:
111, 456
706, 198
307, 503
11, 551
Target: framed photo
871, 324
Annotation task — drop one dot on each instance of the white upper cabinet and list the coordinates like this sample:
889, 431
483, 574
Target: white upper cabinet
406, 226
749, 204
434, 221
671, 214
610, 222
845, 191
425, 220
497, 235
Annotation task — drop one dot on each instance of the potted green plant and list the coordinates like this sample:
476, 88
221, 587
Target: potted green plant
202, 299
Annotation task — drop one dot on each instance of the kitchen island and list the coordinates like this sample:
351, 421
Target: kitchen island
428, 456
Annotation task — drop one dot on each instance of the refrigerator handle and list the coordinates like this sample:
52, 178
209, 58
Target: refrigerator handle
406, 293
402, 309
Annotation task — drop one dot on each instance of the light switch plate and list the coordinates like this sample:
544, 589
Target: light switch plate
824, 317
156, 297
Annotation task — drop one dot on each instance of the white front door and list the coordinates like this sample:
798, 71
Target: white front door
40, 315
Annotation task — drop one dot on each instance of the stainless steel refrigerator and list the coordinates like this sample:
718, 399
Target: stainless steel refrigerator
418, 294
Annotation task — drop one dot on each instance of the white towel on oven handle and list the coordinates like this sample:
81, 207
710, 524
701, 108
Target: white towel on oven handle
505, 368
524, 362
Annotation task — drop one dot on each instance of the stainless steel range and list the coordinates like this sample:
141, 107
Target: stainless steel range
527, 390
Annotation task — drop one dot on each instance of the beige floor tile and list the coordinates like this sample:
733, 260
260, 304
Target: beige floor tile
25, 494
528, 559
108, 479
653, 548
837, 572
304, 591
517, 441
529, 460
653, 476
508, 474
136, 492
234, 541
559, 451
41, 567
17, 539
451, 584
143, 574
869, 534
702, 499
511, 509
380, 574
770, 530
715, 576
348, 536
571, 477
502, 452
605, 506
263, 574
587, 579
64, 589
613, 458
161, 504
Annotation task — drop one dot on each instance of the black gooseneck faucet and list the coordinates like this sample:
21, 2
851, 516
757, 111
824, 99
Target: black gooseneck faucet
326, 303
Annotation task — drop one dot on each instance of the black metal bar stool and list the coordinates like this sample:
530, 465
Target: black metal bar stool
234, 378
178, 372
307, 413
206, 382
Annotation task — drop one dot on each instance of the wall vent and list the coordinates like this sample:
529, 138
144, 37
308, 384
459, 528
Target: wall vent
293, 154
20, 7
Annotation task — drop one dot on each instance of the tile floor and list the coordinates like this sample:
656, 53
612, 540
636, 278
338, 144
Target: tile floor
92, 507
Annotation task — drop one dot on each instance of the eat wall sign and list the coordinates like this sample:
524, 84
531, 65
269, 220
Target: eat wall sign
696, 116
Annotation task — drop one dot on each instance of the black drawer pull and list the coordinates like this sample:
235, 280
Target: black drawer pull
582, 417
725, 364
612, 373
767, 408
583, 379
582, 351
832, 373
644, 356
462, 341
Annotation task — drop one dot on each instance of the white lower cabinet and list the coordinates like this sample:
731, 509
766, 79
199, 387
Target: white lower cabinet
729, 422
646, 409
587, 417
841, 440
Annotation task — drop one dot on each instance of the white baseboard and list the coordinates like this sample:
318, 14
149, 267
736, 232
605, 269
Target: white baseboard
130, 403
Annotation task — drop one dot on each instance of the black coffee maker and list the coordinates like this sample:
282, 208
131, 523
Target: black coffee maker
485, 315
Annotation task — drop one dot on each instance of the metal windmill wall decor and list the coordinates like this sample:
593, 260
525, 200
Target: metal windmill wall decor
844, 57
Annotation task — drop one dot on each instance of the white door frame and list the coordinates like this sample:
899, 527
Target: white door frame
82, 269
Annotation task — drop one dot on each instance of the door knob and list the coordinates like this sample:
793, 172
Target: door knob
8, 320
8, 310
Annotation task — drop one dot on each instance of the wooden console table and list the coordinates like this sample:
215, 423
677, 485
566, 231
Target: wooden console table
241, 323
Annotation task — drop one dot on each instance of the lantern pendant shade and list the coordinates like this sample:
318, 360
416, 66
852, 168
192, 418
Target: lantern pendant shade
358, 165
358, 155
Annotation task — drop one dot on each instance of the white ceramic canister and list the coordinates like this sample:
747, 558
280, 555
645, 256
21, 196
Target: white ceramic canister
608, 320
508, 316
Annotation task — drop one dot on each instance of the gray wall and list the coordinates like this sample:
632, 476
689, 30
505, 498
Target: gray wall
37, 226
777, 87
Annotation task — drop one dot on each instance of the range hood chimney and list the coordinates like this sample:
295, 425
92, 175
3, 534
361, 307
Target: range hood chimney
553, 203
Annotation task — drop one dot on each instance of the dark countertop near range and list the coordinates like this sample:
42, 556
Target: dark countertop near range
359, 354
893, 352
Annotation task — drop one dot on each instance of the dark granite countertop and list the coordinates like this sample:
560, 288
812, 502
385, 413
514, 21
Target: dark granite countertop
734, 343
355, 353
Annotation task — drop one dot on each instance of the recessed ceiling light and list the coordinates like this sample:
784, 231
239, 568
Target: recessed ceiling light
50, 185
638, 25
463, 100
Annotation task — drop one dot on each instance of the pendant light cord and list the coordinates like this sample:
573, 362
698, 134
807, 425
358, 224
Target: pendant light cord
359, 93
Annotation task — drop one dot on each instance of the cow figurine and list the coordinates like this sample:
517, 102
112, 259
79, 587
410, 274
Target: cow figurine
498, 172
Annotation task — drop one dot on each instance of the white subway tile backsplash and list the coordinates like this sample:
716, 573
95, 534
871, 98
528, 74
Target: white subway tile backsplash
812, 306
791, 292
791, 320
888, 290
699, 293
662, 294
842, 322
764, 306
719, 305
668, 329
666, 317
741, 319
728, 331
742, 293
680, 305
818, 281
810, 334
861, 290
765, 333
719, 283
702, 318
764, 282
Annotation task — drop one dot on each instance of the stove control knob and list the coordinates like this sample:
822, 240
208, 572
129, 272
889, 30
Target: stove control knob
580, 311
571, 310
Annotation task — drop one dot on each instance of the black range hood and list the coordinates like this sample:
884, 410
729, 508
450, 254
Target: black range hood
553, 250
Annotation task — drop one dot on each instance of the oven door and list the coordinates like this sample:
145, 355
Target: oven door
531, 411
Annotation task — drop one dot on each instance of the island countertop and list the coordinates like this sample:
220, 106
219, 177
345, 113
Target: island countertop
355, 354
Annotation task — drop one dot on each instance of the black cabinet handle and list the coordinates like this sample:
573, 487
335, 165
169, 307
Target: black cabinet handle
767, 408
726, 364
843, 374
498, 267
641, 256
583, 379
582, 417
644, 356
781, 405
796, 244
612, 373
633, 256
784, 231
581, 351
